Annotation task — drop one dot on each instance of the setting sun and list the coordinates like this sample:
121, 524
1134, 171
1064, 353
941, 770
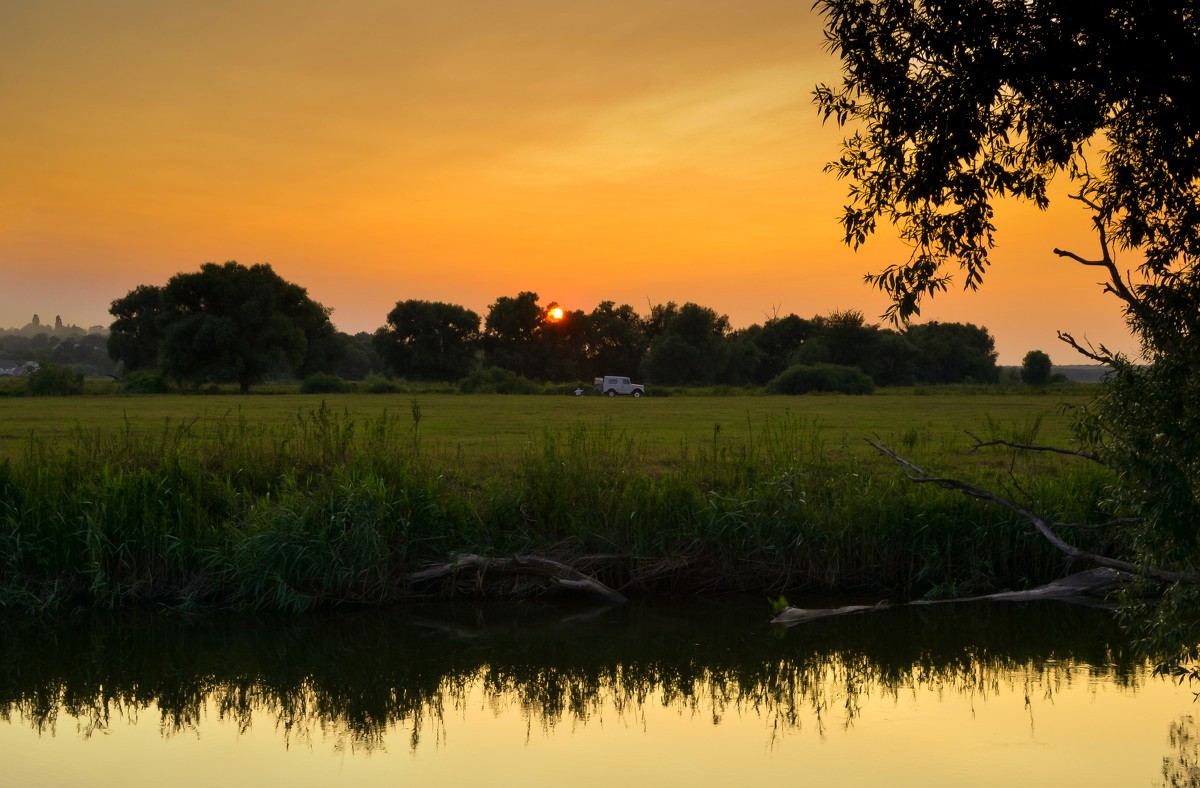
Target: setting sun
554, 313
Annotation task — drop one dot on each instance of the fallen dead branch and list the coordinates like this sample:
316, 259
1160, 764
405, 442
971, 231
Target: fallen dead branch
480, 570
1088, 587
1046, 529
982, 444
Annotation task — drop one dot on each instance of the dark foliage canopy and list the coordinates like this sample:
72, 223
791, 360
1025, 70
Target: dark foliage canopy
225, 322
689, 345
954, 105
1036, 368
429, 340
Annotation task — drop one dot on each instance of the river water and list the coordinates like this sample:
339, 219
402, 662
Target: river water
684, 692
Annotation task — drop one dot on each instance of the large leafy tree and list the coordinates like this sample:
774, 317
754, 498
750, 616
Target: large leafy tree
953, 353
360, 357
953, 106
1036, 368
512, 334
429, 340
521, 337
690, 347
615, 341
565, 345
778, 340
135, 336
844, 338
225, 322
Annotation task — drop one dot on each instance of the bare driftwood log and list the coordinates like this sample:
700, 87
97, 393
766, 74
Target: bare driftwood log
802, 615
557, 574
1087, 587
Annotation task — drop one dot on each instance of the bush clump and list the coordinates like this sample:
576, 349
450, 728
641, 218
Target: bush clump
807, 378
145, 381
324, 383
379, 384
53, 380
495, 380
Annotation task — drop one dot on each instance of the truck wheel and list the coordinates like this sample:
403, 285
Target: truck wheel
636, 393
611, 393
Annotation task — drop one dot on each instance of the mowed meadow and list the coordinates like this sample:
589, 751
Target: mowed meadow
290, 502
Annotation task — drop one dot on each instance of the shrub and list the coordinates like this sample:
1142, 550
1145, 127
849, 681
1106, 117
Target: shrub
52, 380
145, 381
495, 380
806, 378
324, 383
378, 384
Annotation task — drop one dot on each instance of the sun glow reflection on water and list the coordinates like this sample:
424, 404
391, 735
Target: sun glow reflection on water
1056, 728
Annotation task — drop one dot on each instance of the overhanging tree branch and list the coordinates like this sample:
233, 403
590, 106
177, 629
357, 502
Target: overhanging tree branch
1101, 356
920, 476
1116, 283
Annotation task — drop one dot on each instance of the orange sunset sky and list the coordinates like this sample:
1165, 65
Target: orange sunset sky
639, 151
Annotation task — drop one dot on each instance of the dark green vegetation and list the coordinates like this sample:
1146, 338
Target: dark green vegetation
434, 345
66, 346
1036, 368
806, 378
954, 106
292, 503
222, 323
426, 340
53, 380
229, 323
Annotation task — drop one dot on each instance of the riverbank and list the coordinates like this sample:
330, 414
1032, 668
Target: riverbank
329, 508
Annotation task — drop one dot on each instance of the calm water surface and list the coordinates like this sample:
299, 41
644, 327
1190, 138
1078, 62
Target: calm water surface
687, 693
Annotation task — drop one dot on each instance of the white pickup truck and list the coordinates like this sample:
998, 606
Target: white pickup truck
613, 385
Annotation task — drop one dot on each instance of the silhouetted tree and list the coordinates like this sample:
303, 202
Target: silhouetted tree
135, 336
743, 359
511, 335
323, 347
848, 338
660, 317
956, 105
953, 353
842, 338
225, 322
359, 356
691, 346
429, 340
565, 346
778, 340
895, 362
1036, 368
616, 343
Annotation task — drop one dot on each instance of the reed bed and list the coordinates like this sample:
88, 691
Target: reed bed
332, 508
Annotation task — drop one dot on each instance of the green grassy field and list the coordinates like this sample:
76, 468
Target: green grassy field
288, 502
487, 426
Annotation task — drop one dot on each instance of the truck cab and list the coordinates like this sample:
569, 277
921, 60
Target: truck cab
612, 385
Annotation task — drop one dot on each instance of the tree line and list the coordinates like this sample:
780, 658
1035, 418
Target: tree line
233, 323
85, 352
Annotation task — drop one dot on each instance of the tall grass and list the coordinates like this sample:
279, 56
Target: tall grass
330, 508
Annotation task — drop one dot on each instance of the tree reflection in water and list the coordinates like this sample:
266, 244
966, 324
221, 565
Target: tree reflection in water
1182, 767
354, 676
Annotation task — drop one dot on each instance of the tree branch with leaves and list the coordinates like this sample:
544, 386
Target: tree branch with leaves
950, 107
